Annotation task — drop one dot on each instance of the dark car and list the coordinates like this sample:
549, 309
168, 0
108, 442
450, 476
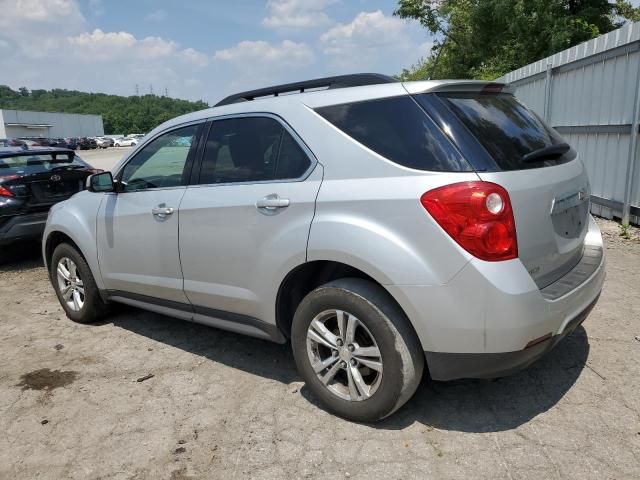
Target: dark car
11, 142
85, 143
70, 143
31, 181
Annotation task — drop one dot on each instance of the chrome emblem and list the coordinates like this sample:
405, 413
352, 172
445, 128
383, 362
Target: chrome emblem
55, 178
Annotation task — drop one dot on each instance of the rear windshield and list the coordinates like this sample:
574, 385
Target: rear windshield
38, 163
399, 130
506, 129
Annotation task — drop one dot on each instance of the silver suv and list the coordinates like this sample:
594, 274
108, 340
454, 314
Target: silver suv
384, 228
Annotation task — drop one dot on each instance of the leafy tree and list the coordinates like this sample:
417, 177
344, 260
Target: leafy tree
120, 115
485, 39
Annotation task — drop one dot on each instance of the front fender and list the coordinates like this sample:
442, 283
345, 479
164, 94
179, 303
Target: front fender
76, 218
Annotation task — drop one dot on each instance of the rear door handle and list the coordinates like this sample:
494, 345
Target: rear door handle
272, 202
162, 212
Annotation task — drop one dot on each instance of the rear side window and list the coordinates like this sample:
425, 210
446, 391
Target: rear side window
251, 149
505, 128
399, 130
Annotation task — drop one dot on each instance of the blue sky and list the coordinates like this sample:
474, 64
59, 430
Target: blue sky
199, 49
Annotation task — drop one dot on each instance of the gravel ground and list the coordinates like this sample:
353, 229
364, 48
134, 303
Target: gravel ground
103, 158
145, 396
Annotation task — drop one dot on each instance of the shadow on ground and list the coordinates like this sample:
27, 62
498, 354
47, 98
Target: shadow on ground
22, 255
465, 405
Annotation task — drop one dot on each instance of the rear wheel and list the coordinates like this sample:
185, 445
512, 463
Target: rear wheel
356, 350
74, 285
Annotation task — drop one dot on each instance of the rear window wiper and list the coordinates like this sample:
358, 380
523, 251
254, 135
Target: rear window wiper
552, 151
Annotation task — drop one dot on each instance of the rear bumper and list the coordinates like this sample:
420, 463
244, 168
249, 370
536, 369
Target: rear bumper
451, 366
480, 323
23, 226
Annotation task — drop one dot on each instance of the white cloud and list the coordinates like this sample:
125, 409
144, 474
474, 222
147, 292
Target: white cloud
38, 53
48, 44
193, 56
46, 11
296, 14
250, 54
373, 40
157, 16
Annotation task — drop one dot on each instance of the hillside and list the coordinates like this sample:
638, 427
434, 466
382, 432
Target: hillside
120, 115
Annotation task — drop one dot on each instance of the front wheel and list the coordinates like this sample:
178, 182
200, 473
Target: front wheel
356, 350
74, 285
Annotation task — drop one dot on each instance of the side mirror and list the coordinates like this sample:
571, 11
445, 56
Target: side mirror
101, 182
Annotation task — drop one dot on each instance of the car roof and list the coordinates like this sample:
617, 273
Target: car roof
331, 96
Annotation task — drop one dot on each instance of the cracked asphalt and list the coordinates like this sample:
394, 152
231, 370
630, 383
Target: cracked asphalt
75, 403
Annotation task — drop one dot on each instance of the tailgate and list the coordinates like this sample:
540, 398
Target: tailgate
546, 182
551, 209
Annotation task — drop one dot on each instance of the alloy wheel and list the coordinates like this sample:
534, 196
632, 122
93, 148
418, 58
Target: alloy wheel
344, 355
70, 284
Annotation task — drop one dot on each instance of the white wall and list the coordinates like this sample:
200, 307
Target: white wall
62, 124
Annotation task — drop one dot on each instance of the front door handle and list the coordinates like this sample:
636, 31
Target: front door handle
162, 212
272, 202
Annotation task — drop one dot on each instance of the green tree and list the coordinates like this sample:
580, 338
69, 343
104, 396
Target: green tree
486, 38
120, 115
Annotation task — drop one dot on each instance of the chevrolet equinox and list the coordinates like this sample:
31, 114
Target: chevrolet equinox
381, 227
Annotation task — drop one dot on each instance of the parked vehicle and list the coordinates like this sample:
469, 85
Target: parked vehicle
11, 142
36, 141
86, 143
70, 143
125, 142
377, 225
104, 142
29, 142
31, 180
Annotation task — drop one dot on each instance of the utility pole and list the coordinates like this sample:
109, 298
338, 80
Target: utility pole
150, 89
166, 92
137, 90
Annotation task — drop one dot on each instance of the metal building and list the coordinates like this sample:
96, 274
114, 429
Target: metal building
18, 123
590, 94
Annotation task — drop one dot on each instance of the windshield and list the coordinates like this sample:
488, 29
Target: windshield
506, 129
38, 163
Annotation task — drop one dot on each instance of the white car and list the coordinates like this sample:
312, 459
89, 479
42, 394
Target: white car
125, 142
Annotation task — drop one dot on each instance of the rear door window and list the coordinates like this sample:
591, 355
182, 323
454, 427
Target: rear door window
251, 149
505, 128
398, 130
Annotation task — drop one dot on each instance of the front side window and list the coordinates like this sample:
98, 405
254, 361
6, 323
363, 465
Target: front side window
251, 149
161, 163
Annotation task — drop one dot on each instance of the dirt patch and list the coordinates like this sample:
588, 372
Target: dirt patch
242, 411
45, 379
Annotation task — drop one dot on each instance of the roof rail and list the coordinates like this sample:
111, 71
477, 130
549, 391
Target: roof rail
341, 81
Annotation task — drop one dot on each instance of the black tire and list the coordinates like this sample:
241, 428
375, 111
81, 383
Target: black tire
94, 308
400, 349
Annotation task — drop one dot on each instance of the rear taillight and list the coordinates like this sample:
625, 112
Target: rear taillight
478, 216
4, 192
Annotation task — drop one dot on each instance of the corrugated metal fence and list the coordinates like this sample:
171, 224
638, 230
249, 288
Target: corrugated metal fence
590, 94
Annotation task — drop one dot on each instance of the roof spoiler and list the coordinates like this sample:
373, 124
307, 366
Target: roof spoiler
45, 151
471, 86
341, 81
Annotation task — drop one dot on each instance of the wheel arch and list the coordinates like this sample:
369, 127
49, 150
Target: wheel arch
307, 276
